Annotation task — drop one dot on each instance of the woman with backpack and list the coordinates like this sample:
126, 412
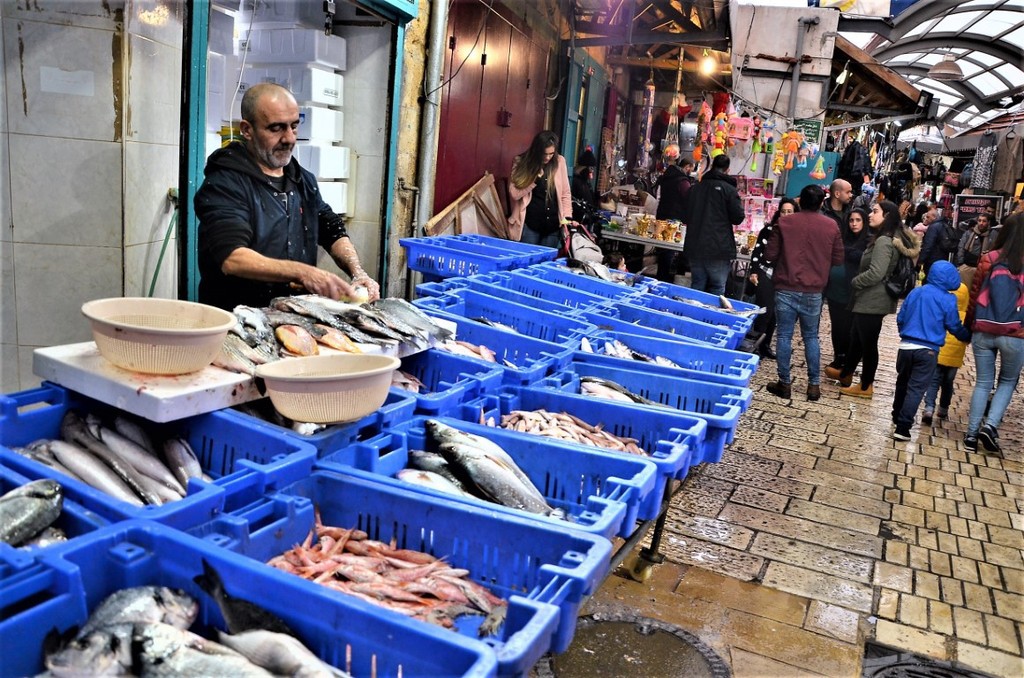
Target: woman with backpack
995, 316
871, 302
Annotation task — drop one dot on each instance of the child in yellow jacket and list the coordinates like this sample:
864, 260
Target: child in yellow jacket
950, 359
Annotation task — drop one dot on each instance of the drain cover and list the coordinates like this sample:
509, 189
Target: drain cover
885, 662
633, 646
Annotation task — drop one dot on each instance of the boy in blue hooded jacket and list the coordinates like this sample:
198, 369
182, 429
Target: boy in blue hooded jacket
927, 313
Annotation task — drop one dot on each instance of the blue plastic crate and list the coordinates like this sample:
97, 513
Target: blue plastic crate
444, 257
227, 448
637, 320
494, 285
672, 439
533, 358
58, 591
560, 275
398, 406
74, 521
544, 571
526, 253
559, 328
696, 361
719, 405
737, 323
450, 379
599, 491
665, 289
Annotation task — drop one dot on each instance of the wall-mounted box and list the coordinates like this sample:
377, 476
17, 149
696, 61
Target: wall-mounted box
335, 194
326, 162
296, 46
308, 84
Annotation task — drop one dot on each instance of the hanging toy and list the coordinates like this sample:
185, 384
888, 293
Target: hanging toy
720, 135
791, 141
778, 161
755, 136
704, 131
818, 173
768, 132
802, 155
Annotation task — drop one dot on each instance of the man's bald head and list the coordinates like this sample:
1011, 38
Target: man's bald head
840, 191
255, 96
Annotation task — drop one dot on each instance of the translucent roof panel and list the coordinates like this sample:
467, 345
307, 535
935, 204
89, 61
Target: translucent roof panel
986, 36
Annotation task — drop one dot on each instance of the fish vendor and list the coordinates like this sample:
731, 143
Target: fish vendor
261, 216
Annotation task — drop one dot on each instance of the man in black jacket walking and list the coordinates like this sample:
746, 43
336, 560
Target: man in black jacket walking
713, 207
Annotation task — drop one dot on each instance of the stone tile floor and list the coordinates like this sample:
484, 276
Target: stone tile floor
817, 532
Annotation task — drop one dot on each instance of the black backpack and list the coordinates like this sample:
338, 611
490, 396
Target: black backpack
949, 240
902, 279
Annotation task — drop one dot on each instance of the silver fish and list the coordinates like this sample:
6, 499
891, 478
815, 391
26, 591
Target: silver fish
495, 478
40, 451
48, 537
144, 604
101, 652
255, 319
258, 354
280, 654
182, 460
74, 430
140, 459
412, 316
432, 481
432, 461
94, 472
134, 432
598, 386
442, 433
232, 360
27, 510
164, 650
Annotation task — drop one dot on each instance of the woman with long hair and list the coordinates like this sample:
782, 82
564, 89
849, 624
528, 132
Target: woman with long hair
839, 292
871, 302
539, 193
761, 279
1006, 343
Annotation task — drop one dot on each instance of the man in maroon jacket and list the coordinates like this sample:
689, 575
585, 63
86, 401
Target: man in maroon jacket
803, 248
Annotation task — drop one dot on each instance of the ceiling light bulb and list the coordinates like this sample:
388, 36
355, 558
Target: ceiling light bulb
708, 64
947, 69
841, 78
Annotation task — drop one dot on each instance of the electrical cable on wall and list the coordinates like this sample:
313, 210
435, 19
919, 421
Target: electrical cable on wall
238, 85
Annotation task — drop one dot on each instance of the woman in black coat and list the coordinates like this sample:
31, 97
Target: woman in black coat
761, 278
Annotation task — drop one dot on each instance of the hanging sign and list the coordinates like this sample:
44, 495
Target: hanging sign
810, 128
967, 207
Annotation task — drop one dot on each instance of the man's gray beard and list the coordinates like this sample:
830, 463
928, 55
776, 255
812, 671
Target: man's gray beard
270, 160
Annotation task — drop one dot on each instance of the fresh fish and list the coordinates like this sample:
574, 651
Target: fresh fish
276, 318
145, 604
94, 472
495, 324
74, 430
336, 339
280, 654
407, 382
105, 651
48, 537
364, 317
40, 451
495, 478
296, 340
163, 650
303, 307
135, 433
239, 615
662, 360
141, 460
609, 389
258, 354
28, 510
432, 481
431, 461
182, 460
585, 345
231, 359
257, 320
442, 433
412, 316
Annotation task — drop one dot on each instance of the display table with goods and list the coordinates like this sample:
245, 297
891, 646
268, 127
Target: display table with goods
452, 522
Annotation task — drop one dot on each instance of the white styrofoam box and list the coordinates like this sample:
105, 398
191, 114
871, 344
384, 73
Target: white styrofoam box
296, 46
320, 124
308, 84
335, 194
213, 142
216, 102
325, 162
222, 32
287, 13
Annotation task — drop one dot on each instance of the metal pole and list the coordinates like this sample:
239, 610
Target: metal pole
805, 23
431, 109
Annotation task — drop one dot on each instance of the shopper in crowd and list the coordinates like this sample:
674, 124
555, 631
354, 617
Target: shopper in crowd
971, 247
582, 188
615, 261
713, 207
261, 216
871, 302
539, 194
928, 312
761, 279
913, 216
940, 242
837, 206
921, 224
803, 248
673, 187
949, 362
839, 292
865, 199
991, 341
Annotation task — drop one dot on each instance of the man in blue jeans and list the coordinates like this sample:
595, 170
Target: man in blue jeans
804, 247
713, 206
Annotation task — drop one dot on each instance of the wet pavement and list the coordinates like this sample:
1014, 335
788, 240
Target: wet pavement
818, 532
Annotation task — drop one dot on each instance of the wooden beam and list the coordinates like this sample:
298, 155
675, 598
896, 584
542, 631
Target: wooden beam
663, 64
861, 60
714, 39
